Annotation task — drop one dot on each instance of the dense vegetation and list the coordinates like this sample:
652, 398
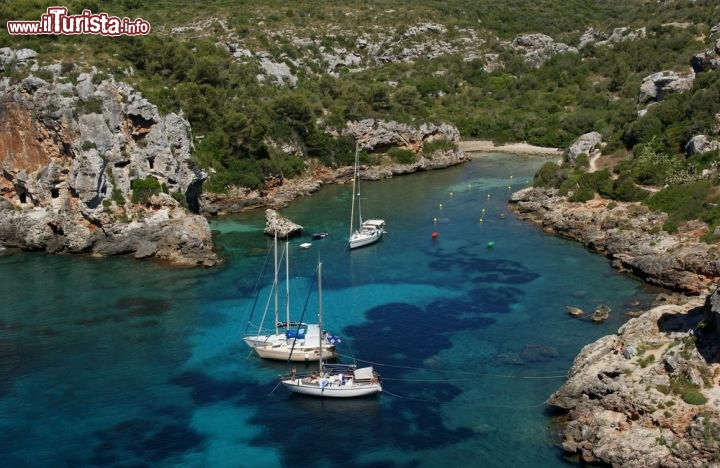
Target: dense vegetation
240, 122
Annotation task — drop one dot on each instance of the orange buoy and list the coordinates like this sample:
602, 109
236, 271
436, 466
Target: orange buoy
434, 235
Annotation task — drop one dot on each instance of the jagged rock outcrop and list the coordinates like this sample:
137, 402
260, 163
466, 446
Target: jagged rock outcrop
379, 135
628, 234
701, 144
585, 144
70, 154
592, 36
654, 87
373, 136
709, 59
18, 58
647, 396
283, 227
538, 48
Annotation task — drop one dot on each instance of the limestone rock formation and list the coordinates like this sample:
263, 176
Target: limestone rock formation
647, 396
592, 36
654, 87
538, 48
274, 223
584, 144
701, 144
627, 234
374, 136
80, 165
379, 135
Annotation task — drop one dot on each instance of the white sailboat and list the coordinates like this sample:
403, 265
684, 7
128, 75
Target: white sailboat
371, 230
333, 380
295, 341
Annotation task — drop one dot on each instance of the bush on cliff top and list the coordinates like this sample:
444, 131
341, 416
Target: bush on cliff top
681, 202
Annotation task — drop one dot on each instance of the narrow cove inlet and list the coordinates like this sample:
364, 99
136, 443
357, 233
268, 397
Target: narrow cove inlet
116, 362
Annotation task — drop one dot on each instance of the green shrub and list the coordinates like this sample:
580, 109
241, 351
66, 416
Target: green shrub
92, 105
143, 189
694, 397
117, 196
402, 155
87, 145
681, 202
44, 74
582, 160
439, 144
624, 189
550, 175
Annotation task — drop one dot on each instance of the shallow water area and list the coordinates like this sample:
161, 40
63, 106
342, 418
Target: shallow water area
117, 362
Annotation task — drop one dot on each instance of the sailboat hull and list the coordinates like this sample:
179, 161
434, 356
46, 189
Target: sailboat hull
287, 353
360, 239
370, 232
317, 389
255, 341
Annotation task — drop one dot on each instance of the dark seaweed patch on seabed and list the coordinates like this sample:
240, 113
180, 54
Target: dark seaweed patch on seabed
485, 270
143, 441
143, 307
207, 390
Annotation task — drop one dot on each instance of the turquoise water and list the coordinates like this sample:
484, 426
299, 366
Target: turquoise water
117, 362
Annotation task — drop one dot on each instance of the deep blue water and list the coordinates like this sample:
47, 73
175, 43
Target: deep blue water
118, 362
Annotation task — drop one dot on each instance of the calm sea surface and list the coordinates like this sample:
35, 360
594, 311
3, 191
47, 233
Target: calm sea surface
117, 362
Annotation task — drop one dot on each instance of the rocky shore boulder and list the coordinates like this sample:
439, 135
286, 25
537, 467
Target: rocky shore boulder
283, 227
91, 166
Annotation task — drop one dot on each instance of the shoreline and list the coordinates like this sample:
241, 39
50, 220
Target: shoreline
279, 197
487, 146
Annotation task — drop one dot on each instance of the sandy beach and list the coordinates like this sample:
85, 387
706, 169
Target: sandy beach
487, 146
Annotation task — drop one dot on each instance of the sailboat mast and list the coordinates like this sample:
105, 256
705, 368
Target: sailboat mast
355, 180
287, 283
320, 316
275, 286
357, 186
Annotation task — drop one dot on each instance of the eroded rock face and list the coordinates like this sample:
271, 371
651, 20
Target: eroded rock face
283, 227
69, 154
374, 136
538, 48
628, 234
625, 409
656, 86
584, 144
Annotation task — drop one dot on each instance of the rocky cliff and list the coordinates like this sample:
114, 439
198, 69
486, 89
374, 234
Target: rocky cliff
630, 235
373, 136
649, 395
90, 166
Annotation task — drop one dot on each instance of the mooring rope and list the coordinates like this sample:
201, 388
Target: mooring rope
455, 403
475, 374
